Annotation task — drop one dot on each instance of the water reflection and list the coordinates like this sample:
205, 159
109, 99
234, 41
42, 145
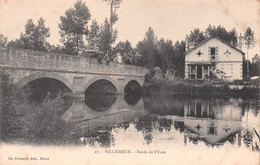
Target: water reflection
168, 120
212, 122
100, 102
132, 99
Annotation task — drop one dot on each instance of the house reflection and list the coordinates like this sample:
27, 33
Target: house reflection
213, 122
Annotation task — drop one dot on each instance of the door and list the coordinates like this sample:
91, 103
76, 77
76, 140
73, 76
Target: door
199, 72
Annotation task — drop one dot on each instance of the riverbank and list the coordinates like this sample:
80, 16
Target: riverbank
201, 88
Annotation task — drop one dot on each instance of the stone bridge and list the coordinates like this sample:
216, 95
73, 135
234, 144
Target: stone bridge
76, 72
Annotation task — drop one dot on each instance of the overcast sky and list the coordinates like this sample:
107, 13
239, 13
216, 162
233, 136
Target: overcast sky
170, 19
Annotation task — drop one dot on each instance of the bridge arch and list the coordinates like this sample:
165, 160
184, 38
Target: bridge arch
131, 80
38, 75
140, 82
96, 78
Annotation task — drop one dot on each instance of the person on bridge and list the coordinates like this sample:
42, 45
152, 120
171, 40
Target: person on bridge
118, 58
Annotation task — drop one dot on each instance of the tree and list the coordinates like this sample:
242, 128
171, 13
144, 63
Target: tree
93, 36
255, 66
166, 53
35, 36
107, 37
249, 42
17, 43
3, 40
73, 26
221, 32
196, 36
147, 48
114, 5
126, 50
178, 58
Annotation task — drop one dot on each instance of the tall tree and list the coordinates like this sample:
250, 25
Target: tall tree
114, 5
147, 48
73, 26
166, 53
179, 59
106, 37
249, 42
93, 36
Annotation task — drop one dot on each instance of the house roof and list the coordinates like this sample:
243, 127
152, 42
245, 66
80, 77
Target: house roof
206, 40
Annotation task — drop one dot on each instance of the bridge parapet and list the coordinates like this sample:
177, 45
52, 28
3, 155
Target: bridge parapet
46, 61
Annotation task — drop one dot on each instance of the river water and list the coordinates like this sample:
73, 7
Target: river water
166, 122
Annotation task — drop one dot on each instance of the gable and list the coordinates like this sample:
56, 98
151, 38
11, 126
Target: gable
223, 52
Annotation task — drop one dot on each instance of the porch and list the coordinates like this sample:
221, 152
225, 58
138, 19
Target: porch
199, 70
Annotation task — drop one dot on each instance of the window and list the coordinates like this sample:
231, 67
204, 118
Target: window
213, 54
212, 51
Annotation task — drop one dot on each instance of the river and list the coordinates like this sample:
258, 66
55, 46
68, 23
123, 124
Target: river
160, 121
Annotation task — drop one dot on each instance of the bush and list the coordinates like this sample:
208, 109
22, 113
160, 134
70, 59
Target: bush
22, 122
10, 97
196, 88
44, 124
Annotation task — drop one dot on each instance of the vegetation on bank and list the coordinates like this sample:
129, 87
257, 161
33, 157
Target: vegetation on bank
200, 88
27, 123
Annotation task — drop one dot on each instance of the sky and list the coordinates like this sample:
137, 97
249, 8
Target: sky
170, 19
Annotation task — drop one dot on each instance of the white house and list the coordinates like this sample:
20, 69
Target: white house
213, 53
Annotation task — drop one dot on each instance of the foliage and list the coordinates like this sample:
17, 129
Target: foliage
107, 37
22, 122
10, 97
17, 43
255, 66
45, 123
196, 88
148, 50
196, 36
165, 51
34, 37
73, 27
93, 36
114, 5
101, 36
218, 74
221, 32
127, 52
249, 38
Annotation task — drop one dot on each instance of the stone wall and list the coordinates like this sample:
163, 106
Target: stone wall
37, 60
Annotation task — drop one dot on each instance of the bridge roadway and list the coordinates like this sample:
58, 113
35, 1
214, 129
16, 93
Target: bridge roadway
76, 72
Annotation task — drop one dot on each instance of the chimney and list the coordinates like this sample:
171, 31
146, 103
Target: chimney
232, 43
240, 38
191, 45
186, 43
